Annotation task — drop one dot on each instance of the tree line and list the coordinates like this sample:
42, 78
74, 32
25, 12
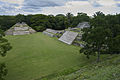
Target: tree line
40, 22
102, 37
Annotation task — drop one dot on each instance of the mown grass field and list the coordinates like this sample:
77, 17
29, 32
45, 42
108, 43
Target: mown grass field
37, 56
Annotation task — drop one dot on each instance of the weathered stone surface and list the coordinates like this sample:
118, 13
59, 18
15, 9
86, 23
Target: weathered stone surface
68, 37
83, 25
32, 31
78, 38
54, 31
9, 32
47, 33
21, 32
21, 28
51, 31
76, 44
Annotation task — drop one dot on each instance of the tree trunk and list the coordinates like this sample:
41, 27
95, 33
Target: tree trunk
98, 58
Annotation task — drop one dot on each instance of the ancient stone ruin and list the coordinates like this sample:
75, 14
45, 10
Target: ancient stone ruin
53, 33
77, 41
20, 29
68, 37
83, 25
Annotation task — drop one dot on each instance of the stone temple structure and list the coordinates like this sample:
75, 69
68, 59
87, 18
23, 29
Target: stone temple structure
83, 25
53, 33
20, 29
68, 37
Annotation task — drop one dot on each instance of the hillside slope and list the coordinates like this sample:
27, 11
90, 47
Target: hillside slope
107, 69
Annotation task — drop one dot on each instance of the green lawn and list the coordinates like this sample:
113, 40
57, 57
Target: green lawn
37, 55
107, 69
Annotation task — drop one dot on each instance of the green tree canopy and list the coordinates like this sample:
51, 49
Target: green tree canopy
4, 47
103, 36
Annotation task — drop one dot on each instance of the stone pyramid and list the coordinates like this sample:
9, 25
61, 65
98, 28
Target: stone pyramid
83, 25
20, 29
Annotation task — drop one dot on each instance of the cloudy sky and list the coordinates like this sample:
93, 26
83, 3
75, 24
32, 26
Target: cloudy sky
13, 7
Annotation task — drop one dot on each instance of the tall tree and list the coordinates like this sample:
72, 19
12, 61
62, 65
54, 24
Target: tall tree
69, 19
4, 47
96, 37
81, 17
20, 18
95, 41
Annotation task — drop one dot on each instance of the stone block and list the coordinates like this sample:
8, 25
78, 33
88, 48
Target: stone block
51, 31
68, 37
21, 28
21, 32
47, 33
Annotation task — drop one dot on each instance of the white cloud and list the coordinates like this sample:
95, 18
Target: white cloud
13, 1
94, 3
81, 6
107, 2
73, 6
